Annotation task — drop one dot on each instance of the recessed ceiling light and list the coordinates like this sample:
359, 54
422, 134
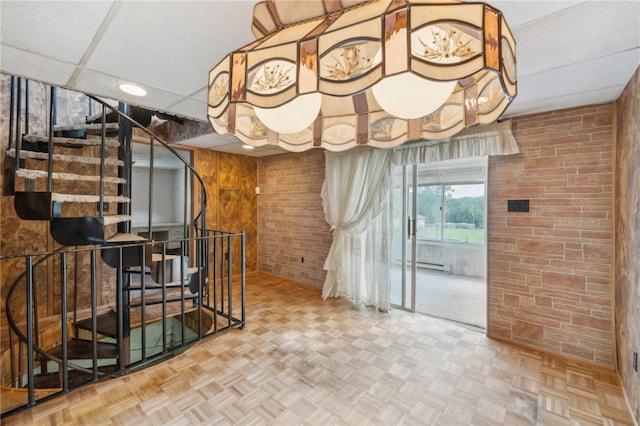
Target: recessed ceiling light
132, 89
245, 146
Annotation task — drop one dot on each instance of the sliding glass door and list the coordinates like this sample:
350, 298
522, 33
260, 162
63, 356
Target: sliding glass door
403, 242
438, 240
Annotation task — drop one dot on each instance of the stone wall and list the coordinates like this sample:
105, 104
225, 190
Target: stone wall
550, 274
627, 241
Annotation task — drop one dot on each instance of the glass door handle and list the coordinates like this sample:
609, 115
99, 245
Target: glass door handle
411, 227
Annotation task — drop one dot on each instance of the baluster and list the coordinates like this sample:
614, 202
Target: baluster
52, 118
64, 368
243, 280
18, 134
103, 136
26, 106
12, 116
229, 275
150, 206
30, 363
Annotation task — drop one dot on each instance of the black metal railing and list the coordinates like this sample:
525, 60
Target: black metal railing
202, 306
209, 293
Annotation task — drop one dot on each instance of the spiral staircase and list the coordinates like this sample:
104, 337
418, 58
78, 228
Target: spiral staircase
77, 178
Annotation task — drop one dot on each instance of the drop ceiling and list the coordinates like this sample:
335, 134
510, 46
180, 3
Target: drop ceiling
569, 53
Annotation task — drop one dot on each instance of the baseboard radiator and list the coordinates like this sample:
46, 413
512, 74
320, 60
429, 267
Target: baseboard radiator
443, 267
435, 266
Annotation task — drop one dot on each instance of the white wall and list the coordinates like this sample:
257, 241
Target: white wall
168, 196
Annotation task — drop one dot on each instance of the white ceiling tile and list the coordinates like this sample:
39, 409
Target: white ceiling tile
160, 48
210, 140
519, 12
577, 78
35, 67
567, 50
201, 95
100, 84
190, 108
588, 30
55, 29
568, 101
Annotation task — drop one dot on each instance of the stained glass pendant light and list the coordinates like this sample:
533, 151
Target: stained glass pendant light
338, 74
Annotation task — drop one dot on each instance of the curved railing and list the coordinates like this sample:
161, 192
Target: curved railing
206, 243
32, 314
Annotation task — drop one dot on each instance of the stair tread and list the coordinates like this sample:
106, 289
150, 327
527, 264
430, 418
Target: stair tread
108, 126
34, 174
116, 218
84, 198
107, 324
60, 157
98, 116
83, 349
108, 219
58, 140
123, 237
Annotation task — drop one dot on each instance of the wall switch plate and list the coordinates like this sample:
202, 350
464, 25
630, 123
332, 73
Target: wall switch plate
518, 206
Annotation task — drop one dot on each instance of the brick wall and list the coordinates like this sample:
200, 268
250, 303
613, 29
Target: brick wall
627, 246
550, 269
291, 223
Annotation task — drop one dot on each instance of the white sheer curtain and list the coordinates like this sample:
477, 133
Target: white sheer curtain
355, 201
482, 141
355, 198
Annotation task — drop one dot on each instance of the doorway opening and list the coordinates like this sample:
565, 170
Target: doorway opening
439, 240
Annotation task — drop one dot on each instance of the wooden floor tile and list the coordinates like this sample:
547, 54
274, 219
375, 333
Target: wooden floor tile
304, 361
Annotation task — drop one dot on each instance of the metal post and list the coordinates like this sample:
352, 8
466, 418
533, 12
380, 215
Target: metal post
223, 254
150, 206
12, 115
243, 281
94, 316
120, 294
185, 218
12, 355
63, 295
18, 129
29, 278
124, 153
143, 307
54, 96
164, 299
229, 275
26, 106
103, 136
50, 147
214, 279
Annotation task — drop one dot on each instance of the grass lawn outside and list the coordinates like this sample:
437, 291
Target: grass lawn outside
454, 235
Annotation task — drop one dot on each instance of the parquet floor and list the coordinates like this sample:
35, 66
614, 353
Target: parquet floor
302, 360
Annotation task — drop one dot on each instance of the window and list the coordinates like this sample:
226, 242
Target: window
451, 206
